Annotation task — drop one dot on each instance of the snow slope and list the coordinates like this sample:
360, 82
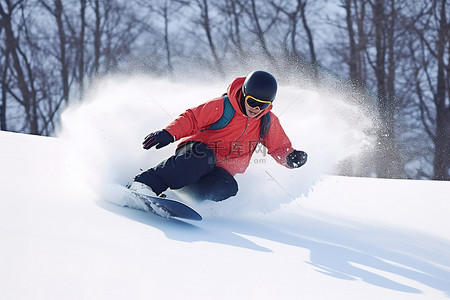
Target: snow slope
289, 234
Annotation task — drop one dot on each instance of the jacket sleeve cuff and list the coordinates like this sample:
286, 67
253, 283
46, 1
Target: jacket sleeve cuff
171, 133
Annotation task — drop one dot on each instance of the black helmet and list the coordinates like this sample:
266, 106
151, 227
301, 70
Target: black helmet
260, 85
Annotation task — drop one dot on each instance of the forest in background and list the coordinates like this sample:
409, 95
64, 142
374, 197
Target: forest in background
393, 55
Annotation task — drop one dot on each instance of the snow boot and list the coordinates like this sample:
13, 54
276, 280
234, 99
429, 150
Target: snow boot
142, 189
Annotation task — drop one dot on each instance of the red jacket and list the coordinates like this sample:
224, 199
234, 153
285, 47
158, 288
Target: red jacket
234, 144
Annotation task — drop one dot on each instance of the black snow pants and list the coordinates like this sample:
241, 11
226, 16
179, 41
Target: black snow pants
192, 169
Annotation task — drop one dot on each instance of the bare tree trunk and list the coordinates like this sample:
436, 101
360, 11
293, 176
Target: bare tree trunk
442, 150
294, 16
231, 9
165, 14
4, 87
97, 37
354, 53
81, 39
391, 66
435, 110
260, 33
293, 19
62, 48
57, 11
205, 22
168, 11
355, 18
312, 51
28, 95
387, 166
4, 60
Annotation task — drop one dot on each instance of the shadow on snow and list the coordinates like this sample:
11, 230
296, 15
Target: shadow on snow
339, 248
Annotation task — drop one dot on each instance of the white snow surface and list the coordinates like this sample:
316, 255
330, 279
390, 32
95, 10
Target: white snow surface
65, 232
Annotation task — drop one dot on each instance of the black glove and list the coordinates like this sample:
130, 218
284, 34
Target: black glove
158, 138
296, 159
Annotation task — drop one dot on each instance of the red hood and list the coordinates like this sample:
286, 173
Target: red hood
234, 94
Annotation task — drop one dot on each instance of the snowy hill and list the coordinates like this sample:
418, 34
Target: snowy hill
289, 234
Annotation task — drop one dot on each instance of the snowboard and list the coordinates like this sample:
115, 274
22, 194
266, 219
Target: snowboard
168, 208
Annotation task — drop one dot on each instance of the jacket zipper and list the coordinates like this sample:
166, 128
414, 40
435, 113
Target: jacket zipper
236, 143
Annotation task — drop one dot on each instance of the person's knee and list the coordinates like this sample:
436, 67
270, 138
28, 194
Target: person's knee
229, 189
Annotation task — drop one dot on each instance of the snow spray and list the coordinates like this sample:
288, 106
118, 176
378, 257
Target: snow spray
105, 131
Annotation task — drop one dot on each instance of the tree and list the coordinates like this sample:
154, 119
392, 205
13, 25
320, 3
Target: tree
434, 37
205, 22
233, 11
258, 29
4, 62
4, 87
441, 54
166, 9
295, 13
80, 58
22, 65
57, 10
389, 164
355, 17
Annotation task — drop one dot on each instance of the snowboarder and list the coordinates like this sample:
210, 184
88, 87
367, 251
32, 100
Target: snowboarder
218, 139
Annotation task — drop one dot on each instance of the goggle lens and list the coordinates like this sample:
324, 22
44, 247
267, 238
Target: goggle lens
257, 103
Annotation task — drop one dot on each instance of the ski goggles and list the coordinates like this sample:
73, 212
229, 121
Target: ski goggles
257, 103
